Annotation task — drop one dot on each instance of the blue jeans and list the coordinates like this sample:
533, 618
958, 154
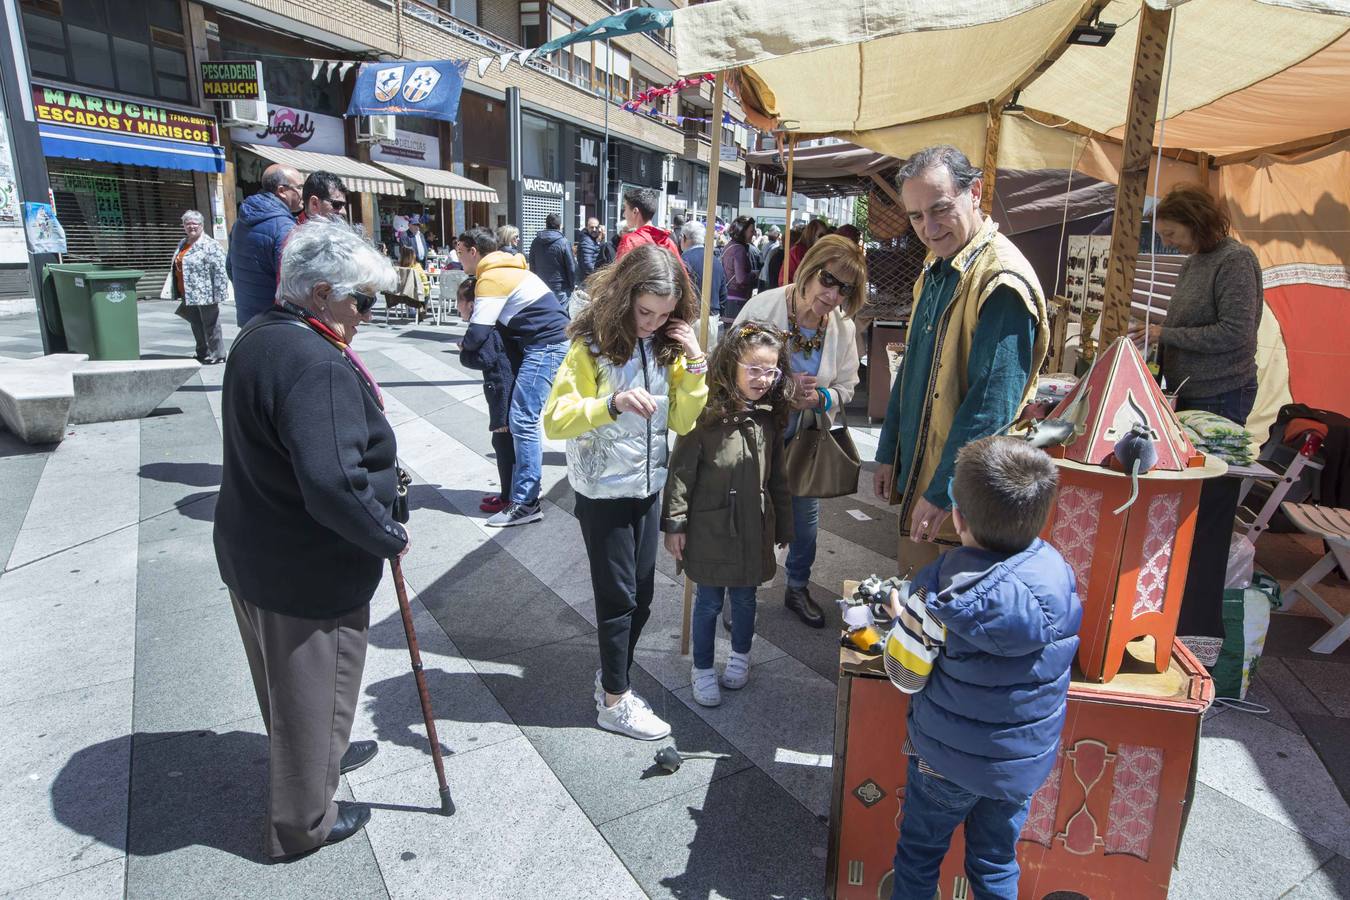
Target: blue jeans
533, 383
932, 809
703, 623
1235, 405
802, 551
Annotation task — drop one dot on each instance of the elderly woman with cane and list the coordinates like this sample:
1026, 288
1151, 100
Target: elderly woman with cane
305, 521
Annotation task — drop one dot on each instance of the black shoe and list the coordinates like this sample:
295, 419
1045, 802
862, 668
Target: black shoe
799, 601
358, 754
351, 818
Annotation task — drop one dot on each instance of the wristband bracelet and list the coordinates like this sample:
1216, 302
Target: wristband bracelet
612, 406
697, 366
825, 398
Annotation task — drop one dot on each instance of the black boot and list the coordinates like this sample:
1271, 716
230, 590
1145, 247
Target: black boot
798, 599
351, 818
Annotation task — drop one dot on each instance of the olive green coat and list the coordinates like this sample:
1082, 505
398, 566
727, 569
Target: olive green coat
727, 492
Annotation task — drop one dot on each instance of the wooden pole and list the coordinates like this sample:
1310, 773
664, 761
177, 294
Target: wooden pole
705, 295
787, 213
1150, 54
993, 129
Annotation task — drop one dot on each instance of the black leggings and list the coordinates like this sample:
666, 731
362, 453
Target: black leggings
505, 449
621, 537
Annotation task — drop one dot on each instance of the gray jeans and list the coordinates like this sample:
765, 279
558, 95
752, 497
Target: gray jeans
205, 322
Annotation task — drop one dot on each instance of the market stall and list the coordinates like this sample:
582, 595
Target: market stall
1144, 95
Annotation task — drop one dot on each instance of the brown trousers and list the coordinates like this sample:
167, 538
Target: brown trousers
307, 675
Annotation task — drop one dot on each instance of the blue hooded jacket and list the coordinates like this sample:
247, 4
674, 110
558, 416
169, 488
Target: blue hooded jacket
990, 717
254, 262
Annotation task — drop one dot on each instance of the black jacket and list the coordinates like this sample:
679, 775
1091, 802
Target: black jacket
693, 264
588, 256
551, 259
303, 521
499, 361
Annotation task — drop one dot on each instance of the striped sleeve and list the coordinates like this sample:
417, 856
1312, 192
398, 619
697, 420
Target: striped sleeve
912, 644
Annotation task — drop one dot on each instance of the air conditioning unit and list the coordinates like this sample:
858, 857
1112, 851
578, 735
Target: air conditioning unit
245, 113
376, 129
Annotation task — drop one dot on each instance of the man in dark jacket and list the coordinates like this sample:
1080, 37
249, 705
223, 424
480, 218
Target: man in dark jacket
551, 259
588, 249
264, 221
691, 241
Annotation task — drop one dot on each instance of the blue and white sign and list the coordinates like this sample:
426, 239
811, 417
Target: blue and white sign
429, 88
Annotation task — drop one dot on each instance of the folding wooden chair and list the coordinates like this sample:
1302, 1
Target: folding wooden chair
1333, 526
1310, 443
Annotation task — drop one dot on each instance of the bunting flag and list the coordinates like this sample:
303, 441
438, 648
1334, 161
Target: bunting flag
653, 94
634, 21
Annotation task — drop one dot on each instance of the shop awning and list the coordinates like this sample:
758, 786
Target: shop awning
443, 185
80, 143
357, 176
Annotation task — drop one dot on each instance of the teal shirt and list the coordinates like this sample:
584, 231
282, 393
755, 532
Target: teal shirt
997, 373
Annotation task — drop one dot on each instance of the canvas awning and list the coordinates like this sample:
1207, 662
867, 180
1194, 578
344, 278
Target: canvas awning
356, 176
897, 75
442, 185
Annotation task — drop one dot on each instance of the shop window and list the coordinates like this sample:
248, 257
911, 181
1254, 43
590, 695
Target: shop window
128, 46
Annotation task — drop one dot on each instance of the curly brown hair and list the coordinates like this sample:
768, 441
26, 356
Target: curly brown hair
1195, 207
608, 323
724, 397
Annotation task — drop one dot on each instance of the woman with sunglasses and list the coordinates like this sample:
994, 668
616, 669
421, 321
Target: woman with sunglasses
816, 312
304, 522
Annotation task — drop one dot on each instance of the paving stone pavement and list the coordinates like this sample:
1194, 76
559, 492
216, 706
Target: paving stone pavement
138, 757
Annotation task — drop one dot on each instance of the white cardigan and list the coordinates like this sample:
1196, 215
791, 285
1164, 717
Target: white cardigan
838, 357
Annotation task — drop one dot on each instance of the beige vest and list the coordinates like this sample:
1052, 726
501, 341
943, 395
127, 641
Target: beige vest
989, 261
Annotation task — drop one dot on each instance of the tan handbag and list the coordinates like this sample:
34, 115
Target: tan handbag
822, 461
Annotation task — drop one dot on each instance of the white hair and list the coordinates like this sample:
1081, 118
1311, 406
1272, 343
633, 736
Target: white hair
193, 216
694, 232
332, 252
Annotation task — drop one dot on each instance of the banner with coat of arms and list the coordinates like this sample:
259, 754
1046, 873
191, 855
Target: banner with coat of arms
424, 88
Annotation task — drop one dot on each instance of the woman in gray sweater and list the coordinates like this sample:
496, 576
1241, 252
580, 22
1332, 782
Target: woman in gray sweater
1208, 344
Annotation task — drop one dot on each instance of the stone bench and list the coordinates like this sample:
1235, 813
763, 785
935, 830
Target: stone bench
40, 397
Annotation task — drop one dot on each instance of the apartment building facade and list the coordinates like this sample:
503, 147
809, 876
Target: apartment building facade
120, 200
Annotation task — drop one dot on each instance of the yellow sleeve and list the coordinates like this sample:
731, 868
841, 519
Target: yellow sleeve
688, 396
573, 406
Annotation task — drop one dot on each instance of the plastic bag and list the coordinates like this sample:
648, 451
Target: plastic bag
1241, 558
1246, 621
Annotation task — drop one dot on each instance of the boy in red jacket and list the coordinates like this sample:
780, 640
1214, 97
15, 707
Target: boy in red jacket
639, 208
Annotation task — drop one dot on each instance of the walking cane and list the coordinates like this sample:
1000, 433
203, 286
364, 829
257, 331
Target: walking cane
447, 805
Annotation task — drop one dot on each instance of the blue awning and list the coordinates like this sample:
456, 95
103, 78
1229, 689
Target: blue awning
79, 143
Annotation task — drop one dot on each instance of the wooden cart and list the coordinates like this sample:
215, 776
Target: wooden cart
1106, 823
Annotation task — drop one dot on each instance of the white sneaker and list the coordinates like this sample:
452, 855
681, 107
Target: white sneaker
631, 718
600, 693
705, 687
737, 672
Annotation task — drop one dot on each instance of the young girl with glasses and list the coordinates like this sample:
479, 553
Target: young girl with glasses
727, 501
634, 370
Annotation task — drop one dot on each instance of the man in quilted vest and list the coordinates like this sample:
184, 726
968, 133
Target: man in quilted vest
977, 338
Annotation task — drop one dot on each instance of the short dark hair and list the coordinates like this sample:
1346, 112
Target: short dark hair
481, 239
1195, 207
552, 221
677, 221
643, 200
321, 184
1003, 487
964, 174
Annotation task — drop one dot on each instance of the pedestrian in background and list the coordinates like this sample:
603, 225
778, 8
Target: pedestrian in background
726, 501
634, 370
691, 241
639, 214
590, 240
414, 239
740, 266
551, 259
508, 239
323, 197
304, 522
256, 240
811, 232
200, 285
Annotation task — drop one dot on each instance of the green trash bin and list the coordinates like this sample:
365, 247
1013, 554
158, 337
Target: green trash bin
98, 310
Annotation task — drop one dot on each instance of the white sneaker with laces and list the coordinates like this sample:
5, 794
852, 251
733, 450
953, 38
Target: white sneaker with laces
705, 687
737, 672
600, 693
631, 718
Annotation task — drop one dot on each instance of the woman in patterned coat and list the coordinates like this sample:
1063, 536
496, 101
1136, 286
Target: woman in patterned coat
199, 281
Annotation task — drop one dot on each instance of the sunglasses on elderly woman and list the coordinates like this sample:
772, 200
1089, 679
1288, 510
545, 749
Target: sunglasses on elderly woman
829, 281
364, 302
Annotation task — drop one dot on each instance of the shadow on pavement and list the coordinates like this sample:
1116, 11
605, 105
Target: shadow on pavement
191, 474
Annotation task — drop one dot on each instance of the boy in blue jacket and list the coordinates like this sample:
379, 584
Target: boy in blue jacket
984, 642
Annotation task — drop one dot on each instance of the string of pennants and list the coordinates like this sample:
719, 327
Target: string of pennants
651, 95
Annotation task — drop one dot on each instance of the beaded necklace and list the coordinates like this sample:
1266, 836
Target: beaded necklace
800, 343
